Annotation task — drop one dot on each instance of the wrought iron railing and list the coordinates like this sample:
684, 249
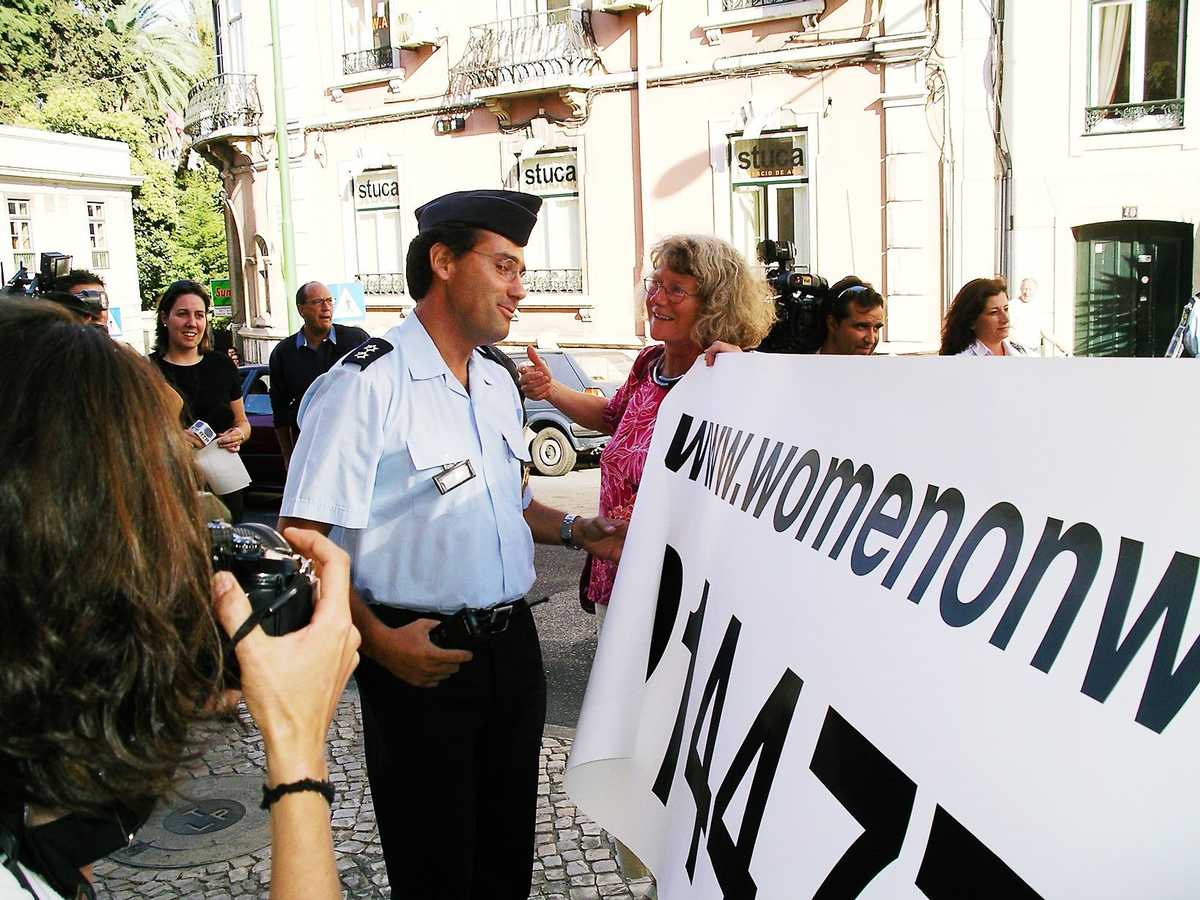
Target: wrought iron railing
554, 281
369, 60
512, 51
223, 101
730, 5
382, 282
1134, 116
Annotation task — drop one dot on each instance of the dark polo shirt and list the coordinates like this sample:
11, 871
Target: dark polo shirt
294, 366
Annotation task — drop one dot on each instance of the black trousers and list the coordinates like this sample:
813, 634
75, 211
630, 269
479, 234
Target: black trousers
453, 769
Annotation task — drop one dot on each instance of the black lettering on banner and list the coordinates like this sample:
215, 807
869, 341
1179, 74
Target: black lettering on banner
951, 504
957, 865
696, 770
1004, 517
874, 791
681, 448
766, 737
1167, 687
670, 592
811, 460
691, 640
1083, 540
863, 563
761, 480
847, 476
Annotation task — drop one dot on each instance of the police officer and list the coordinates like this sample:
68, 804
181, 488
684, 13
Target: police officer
413, 447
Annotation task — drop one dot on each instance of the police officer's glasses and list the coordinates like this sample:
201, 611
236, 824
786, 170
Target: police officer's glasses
674, 293
505, 265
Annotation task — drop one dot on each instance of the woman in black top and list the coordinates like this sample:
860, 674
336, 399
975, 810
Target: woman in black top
207, 381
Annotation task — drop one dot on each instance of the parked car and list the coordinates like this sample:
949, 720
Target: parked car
261, 454
557, 443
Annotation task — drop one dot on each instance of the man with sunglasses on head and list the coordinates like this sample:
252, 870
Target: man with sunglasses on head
413, 448
298, 359
90, 297
853, 317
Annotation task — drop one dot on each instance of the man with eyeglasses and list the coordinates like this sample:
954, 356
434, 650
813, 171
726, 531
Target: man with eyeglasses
413, 447
90, 298
853, 319
297, 360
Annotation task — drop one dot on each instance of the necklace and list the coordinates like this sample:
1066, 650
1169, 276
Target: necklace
663, 381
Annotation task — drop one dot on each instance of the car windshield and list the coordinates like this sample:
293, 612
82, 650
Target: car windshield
605, 365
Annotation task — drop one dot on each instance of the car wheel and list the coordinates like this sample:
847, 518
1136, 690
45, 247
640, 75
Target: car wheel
552, 453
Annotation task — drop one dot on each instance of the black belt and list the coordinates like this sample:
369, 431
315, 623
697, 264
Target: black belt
493, 618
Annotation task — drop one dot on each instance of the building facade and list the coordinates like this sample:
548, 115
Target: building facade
904, 141
69, 194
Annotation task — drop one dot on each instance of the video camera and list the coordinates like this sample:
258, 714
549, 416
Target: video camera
798, 297
53, 267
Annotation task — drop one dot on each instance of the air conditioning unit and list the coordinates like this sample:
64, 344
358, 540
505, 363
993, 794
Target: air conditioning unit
617, 6
416, 29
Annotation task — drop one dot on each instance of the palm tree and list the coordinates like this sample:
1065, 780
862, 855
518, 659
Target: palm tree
164, 53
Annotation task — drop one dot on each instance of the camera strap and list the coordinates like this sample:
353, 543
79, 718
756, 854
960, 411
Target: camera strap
256, 618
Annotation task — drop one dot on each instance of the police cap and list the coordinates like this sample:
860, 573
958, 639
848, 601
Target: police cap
508, 213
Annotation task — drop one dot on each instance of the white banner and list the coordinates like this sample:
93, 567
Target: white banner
896, 628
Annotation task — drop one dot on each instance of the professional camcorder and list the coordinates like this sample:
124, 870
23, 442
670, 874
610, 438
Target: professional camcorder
798, 297
40, 285
278, 581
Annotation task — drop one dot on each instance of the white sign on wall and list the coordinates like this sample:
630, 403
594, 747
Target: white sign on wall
550, 174
378, 189
925, 630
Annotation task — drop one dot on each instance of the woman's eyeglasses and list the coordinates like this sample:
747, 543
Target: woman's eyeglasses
674, 293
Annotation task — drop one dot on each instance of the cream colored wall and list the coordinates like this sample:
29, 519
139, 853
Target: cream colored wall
685, 176
1064, 179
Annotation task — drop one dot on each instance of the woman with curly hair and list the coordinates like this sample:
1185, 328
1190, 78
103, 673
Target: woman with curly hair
702, 294
109, 648
977, 322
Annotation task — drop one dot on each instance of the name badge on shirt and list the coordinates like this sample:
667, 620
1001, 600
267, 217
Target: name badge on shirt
453, 475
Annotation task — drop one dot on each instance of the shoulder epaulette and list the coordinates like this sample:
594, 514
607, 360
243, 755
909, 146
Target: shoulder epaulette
367, 352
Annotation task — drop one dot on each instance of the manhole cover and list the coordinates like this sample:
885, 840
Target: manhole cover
212, 819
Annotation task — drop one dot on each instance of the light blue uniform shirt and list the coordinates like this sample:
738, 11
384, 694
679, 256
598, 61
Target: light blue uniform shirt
372, 439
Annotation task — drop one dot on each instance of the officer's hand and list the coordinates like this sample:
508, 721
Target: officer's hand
601, 536
536, 382
409, 655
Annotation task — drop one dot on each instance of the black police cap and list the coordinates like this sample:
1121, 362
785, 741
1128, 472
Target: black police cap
508, 213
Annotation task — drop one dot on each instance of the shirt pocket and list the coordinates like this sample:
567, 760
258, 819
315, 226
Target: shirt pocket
430, 450
514, 437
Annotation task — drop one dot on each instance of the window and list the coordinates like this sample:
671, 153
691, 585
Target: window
1136, 77
96, 235
20, 232
367, 37
377, 231
228, 40
553, 255
770, 192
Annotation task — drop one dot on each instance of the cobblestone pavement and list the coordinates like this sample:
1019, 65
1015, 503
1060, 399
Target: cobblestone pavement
574, 859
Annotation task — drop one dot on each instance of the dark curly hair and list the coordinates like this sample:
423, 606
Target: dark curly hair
968, 303
166, 303
108, 646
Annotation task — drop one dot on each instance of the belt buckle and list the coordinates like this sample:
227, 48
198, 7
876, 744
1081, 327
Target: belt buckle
497, 618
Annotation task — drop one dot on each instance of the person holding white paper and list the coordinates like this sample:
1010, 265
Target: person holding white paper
207, 381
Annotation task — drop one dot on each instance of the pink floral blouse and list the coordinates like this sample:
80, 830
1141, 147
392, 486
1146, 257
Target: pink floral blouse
630, 414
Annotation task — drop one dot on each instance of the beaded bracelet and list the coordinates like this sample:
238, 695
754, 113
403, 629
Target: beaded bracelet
270, 795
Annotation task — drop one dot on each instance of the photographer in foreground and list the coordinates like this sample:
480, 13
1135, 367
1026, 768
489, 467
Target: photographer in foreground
108, 645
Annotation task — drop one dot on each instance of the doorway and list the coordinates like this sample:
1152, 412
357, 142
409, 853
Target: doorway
1131, 282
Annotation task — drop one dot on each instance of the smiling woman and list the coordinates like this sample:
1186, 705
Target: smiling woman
207, 381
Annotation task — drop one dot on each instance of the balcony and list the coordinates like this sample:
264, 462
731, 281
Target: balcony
731, 5
553, 281
382, 283
371, 60
1156, 115
550, 51
224, 106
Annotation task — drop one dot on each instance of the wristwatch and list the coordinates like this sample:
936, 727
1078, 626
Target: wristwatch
564, 532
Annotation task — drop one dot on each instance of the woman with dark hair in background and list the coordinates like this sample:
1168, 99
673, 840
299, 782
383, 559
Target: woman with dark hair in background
207, 381
977, 322
108, 647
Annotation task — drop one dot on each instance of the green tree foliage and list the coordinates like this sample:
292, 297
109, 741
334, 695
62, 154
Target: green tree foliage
116, 69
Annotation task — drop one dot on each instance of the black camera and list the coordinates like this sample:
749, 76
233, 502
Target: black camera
278, 581
53, 266
799, 297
